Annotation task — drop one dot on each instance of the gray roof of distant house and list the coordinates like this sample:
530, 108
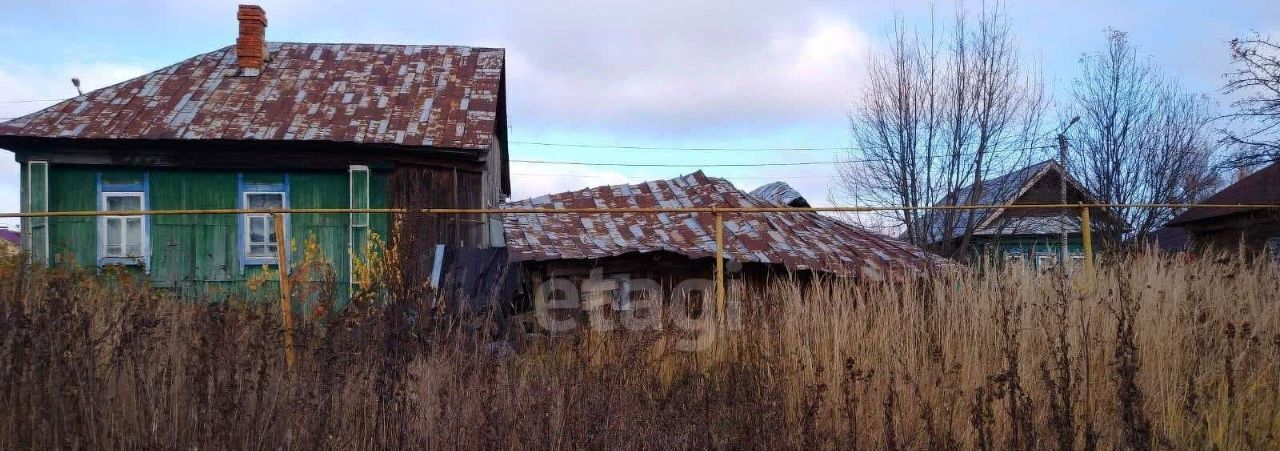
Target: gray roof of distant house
1003, 190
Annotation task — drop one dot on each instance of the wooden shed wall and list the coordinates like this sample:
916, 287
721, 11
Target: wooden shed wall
1229, 233
417, 187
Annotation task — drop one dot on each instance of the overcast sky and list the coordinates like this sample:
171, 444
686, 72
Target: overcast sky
740, 74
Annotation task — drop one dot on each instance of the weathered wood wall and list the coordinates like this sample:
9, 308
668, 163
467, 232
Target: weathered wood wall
1250, 230
200, 252
416, 235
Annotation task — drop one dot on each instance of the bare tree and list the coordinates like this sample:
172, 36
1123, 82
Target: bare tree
937, 114
1253, 130
1141, 138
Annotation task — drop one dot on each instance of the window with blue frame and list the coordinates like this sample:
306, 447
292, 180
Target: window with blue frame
259, 244
123, 239
260, 240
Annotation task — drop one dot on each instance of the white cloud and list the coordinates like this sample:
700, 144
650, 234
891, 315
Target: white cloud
648, 68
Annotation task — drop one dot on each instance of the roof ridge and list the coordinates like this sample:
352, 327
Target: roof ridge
455, 46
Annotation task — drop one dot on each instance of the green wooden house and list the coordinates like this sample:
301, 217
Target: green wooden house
1031, 236
267, 125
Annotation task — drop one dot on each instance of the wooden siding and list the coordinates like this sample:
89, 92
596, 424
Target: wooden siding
194, 253
1248, 232
417, 187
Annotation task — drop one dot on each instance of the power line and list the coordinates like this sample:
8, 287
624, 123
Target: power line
31, 100
581, 176
747, 165
727, 149
692, 149
673, 165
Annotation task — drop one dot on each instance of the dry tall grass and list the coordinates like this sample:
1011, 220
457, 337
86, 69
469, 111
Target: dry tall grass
1148, 353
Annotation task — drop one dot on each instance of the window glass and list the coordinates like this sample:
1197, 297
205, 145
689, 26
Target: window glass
133, 236
257, 229
260, 239
123, 236
114, 239
265, 200
124, 203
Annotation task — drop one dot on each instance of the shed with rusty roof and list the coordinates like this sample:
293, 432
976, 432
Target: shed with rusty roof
267, 125
673, 248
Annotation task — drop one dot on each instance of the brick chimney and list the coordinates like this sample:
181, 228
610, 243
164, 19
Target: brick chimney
251, 45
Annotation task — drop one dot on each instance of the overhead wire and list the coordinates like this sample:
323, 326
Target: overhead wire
30, 101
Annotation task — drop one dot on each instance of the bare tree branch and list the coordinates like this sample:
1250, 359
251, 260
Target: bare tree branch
942, 109
1141, 138
1252, 130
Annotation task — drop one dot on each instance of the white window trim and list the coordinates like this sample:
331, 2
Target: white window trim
354, 220
244, 227
30, 226
103, 258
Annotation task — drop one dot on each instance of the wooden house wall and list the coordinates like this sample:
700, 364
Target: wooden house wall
668, 269
1047, 190
417, 187
198, 252
997, 249
1230, 233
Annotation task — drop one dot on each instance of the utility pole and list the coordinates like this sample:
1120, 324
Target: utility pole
1062, 190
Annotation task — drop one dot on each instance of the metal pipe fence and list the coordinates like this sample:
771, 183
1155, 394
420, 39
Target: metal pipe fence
286, 305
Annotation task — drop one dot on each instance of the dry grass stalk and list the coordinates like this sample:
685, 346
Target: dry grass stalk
1145, 353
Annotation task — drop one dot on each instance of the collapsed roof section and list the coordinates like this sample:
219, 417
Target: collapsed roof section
796, 240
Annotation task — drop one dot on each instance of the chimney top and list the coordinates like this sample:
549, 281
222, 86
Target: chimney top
251, 45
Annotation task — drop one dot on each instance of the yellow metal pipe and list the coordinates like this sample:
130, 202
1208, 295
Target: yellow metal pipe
282, 269
1086, 235
720, 265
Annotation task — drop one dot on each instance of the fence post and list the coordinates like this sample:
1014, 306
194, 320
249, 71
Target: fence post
282, 269
1086, 235
720, 309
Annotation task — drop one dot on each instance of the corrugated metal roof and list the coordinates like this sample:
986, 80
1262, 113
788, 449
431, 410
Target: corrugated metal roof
799, 241
780, 193
1004, 190
1261, 187
441, 96
996, 191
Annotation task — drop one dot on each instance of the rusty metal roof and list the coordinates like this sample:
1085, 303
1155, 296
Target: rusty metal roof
440, 96
780, 193
799, 241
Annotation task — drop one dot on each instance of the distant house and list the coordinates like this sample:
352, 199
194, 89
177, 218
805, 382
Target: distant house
1028, 235
674, 247
1231, 229
10, 242
267, 125
1168, 239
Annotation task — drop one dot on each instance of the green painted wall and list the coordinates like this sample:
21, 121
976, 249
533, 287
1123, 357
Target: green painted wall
200, 254
985, 248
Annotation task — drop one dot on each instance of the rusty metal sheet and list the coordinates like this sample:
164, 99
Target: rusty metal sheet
780, 193
439, 96
799, 241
